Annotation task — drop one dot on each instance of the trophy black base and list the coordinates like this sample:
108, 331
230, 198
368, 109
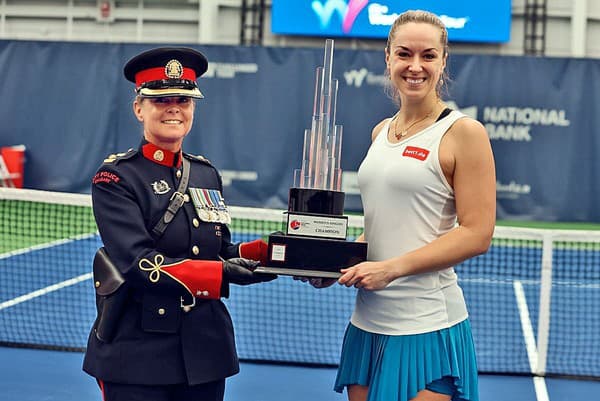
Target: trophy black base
311, 257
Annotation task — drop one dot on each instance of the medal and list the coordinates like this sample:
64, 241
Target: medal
203, 214
201, 204
210, 206
223, 210
212, 210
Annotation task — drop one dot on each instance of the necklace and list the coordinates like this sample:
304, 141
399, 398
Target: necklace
399, 134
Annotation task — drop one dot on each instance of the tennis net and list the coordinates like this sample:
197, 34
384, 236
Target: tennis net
533, 298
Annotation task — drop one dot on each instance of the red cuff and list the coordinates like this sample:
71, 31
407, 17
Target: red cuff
202, 278
255, 250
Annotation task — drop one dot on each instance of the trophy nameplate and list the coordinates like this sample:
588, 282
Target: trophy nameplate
313, 243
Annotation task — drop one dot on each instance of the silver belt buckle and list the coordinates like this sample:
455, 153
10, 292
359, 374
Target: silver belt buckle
188, 307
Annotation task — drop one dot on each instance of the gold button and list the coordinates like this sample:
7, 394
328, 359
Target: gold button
186, 198
187, 308
161, 311
196, 223
97, 284
195, 250
178, 173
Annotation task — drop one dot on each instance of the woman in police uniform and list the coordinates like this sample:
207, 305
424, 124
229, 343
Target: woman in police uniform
173, 337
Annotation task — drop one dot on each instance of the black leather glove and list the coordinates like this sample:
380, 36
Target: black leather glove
241, 271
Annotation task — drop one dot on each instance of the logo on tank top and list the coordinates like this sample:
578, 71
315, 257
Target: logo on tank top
416, 153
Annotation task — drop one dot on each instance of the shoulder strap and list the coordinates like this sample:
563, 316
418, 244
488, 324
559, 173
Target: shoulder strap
444, 113
176, 202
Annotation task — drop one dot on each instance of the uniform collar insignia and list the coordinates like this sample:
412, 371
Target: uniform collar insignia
161, 156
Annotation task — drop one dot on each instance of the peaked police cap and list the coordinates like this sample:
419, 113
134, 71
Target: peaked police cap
167, 71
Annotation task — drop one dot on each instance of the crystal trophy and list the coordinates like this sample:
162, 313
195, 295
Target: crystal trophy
313, 243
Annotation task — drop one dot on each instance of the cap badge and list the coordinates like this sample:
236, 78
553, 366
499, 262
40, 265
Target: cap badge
159, 155
174, 69
160, 187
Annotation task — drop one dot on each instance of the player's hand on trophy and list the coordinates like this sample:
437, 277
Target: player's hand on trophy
241, 271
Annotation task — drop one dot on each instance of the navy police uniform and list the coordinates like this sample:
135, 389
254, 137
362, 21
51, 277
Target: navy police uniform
173, 329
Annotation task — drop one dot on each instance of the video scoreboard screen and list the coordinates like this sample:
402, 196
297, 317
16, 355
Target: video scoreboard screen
466, 20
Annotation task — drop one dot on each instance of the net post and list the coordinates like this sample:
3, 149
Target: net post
545, 298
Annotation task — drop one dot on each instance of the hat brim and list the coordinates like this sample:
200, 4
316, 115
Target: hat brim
195, 93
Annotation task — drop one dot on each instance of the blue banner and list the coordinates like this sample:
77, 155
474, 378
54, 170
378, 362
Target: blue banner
69, 104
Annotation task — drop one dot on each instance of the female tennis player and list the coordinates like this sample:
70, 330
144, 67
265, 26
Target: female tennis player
428, 190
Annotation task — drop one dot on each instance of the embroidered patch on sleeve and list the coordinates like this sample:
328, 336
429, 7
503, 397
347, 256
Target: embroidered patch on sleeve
105, 177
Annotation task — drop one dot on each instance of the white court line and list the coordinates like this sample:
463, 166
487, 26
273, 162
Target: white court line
507, 281
46, 245
556, 283
45, 290
539, 383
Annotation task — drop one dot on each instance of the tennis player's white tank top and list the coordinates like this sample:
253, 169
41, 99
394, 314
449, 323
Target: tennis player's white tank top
407, 204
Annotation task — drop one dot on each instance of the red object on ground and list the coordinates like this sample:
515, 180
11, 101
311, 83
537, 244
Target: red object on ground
14, 159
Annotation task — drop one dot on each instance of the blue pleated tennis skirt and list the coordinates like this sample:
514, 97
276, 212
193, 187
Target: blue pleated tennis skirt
398, 367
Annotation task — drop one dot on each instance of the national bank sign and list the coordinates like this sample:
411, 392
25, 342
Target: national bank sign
466, 20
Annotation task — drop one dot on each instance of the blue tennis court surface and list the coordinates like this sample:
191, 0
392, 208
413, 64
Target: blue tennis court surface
34, 375
46, 294
46, 297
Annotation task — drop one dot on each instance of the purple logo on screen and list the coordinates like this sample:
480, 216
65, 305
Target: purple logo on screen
348, 11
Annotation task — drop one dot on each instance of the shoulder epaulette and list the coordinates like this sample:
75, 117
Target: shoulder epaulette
116, 157
199, 158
